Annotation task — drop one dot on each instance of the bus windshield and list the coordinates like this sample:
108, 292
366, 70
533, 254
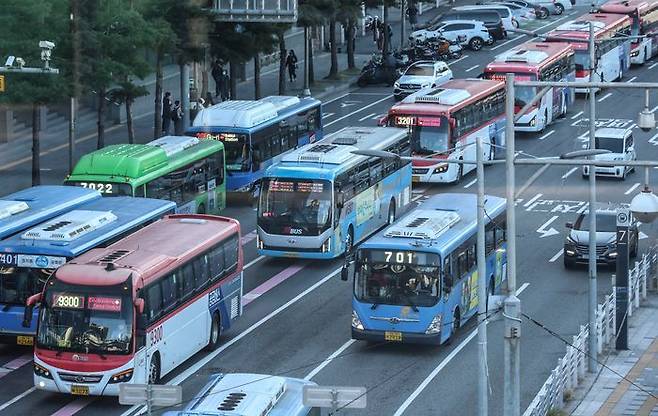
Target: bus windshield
295, 206
431, 137
397, 284
523, 95
236, 147
86, 319
18, 283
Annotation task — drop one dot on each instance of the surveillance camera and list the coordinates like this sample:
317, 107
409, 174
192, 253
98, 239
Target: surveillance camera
644, 206
647, 120
10, 61
20, 62
46, 44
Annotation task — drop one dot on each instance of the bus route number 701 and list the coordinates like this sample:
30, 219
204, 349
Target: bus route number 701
399, 256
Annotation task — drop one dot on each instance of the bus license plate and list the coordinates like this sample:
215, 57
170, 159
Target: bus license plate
415, 178
393, 336
80, 390
24, 340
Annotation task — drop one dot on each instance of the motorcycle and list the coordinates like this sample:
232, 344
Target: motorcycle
442, 48
375, 72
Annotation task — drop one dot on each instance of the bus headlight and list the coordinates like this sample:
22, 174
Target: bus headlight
356, 322
435, 325
326, 246
635, 53
533, 122
122, 377
42, 372
441, 168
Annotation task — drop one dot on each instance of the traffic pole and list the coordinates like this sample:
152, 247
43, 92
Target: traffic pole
483, 377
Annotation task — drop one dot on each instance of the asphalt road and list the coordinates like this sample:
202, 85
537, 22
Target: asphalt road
295, 326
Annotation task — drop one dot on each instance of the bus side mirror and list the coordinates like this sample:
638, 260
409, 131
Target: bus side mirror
29, 309
139, 305
569, 225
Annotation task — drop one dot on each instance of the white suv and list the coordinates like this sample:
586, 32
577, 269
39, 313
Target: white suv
466, 32
421, 74
620, 144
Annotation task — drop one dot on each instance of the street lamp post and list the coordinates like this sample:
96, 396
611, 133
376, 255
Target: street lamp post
483, 397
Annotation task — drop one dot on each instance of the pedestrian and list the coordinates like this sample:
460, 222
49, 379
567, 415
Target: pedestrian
226, 81
216, 73
412, 13
177, 118
374, 25
291, 64
389, 37
166, 113
380, 35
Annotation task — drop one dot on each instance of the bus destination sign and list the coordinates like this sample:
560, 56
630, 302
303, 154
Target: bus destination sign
31, 261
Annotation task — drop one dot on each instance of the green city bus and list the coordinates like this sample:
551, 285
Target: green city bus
182, 169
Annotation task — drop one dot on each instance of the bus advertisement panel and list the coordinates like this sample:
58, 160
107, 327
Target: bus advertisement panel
613, 56
537, 61
256, 134
644, 15
30, 257
182, 169
134, 311
416, 281
23, 209
322, 199
445, 123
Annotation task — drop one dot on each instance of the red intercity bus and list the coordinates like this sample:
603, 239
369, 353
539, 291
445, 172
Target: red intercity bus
644, 14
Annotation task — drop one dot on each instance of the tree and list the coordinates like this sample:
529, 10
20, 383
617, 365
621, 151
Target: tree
126, 93
263, 38
348, 12
309, 17
22, 26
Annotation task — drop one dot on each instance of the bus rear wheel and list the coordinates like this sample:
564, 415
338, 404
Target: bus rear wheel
154, 369
215, 332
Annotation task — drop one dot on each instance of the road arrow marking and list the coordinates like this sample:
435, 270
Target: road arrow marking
642, 236
654, 140
349, 103
547, 232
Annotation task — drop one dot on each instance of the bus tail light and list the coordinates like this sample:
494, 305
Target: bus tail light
356, 322
122, 377
582, 73
259, 242
435, 325
42, 371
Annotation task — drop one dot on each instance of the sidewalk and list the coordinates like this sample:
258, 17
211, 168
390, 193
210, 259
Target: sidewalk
612, 395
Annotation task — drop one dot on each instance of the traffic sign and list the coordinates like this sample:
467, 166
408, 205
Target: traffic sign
150, 394
334, 397
2, 83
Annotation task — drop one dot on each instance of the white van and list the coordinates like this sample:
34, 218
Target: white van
619, 142
509, 22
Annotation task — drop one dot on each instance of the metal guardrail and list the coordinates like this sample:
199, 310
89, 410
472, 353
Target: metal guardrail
570, 370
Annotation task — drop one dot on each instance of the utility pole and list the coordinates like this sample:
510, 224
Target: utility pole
307, 92
591, 307
483, 379
512, 304
75, 37
402, 16
185, 95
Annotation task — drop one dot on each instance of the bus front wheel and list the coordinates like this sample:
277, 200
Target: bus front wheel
454, 325
215, 332
154, 369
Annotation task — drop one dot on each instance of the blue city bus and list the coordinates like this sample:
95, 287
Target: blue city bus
249, 394
25, 208
28, 258
322, 199
257, 133
416, 281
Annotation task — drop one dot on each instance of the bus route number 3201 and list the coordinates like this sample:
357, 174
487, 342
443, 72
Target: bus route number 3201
155, 335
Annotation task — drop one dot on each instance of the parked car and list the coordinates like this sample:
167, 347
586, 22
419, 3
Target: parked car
421, 74
556, 7
541, 12
576, 243
491, 20
521, 13
620, 144
471, 33
509, 22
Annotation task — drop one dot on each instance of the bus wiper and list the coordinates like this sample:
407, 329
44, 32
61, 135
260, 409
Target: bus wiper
374, 306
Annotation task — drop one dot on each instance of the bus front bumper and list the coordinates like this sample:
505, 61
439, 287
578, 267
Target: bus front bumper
8, 338
400, 337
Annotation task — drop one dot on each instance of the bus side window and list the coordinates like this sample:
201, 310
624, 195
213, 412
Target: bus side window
489, 238
201, 268
153, 302
188, 281
231, 254
216, 262
448, 276
462, 262
169, 291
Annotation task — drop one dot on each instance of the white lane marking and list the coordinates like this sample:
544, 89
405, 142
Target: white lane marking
205, 360
547, 134
444, 363
329, 359
653, 65
566, 175
631, 189
327, 115
632, 79
472, 68
533, 199
419, 191
556, 256
17, 398
254, 261
505, 43
653, 141
416, 198
608, 95
335, 99
653, 110
369, 115
471, 183
642, 236
550, 231
457, 60
388, 97
578, 114
248, 237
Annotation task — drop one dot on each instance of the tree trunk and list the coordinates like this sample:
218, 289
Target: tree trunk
257, 76
311, 73
157, 122
333, 70
233, 79
129, 121
385, 46
204, 83
350, 44
36, 127
282, 63
101, 119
